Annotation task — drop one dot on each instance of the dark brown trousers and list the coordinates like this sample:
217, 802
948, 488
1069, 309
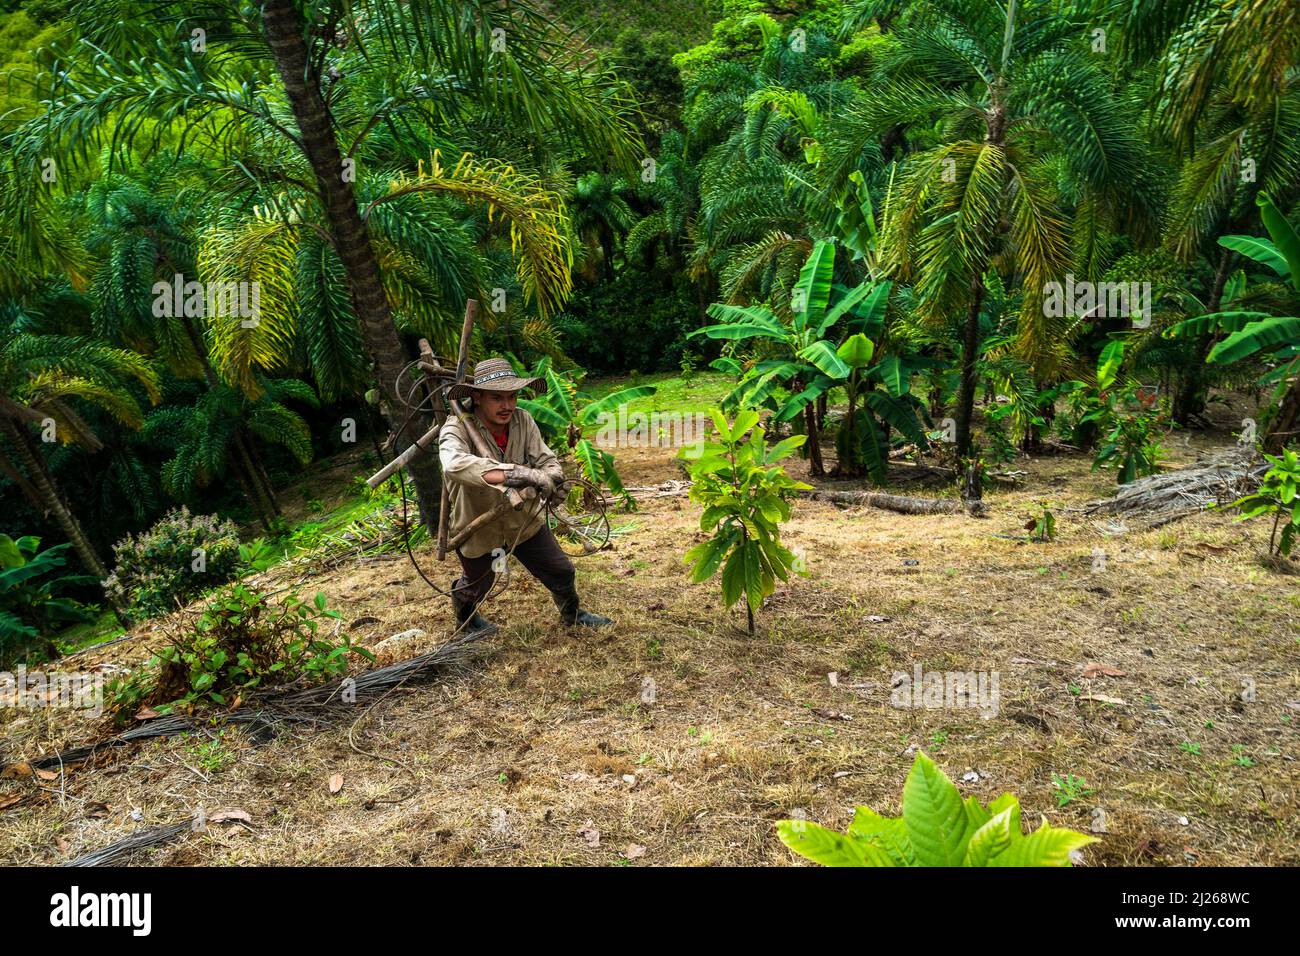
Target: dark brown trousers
540, 554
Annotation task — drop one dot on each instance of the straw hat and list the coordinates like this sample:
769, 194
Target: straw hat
493, 375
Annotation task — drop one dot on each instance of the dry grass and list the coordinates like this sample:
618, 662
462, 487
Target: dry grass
506, 764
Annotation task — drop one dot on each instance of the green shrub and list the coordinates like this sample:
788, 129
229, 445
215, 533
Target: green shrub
1131, 443
173, 562
743, 491
1116, 415
31, 605
241, 641
937, 828
1278, 495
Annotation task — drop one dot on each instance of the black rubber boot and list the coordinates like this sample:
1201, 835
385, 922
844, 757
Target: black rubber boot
469, 622
572, 613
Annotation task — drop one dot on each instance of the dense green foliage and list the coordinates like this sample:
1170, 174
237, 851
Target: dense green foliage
864, 212
32, 602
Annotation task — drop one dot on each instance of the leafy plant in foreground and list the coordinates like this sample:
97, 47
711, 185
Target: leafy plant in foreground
937, 828
240, 642
743, 491
1279, 495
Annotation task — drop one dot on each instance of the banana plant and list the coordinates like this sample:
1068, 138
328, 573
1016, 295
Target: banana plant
809, 361
564, 411
31, 605
1249, 333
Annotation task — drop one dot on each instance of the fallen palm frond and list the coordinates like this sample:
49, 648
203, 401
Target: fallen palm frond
292, 705
1177, 494
381, 532
125, 847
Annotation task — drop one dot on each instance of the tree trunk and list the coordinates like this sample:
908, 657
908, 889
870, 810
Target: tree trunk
30, 459
1190, 399
285, 31
235, 462
252, 479
246, 473
897, 503
1284, 428
966, 393
815, 466
261, 480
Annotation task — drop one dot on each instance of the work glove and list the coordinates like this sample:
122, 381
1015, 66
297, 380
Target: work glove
556, 474
521, 476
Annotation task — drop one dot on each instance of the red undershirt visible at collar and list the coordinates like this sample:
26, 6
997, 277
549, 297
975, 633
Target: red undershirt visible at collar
502, 440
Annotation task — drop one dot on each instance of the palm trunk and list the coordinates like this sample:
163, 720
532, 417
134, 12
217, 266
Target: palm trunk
248, 472
1190, 399
236, 465
247, 476
285, 29
815, 466
966, 394
261, 480
1285, 425
30, 459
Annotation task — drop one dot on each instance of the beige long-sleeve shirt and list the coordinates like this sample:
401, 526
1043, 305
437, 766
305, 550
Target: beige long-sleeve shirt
471, 496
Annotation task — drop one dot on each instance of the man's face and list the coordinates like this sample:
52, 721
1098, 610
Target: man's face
496, 408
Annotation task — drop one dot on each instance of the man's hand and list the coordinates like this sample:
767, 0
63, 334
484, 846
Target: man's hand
521, 476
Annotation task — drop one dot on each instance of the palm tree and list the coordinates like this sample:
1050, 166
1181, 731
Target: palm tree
673, 192
1231, 104
208, 438
140, 228
1021, 106
40, 376
601, 216
1244, 50
758, 126
433, 60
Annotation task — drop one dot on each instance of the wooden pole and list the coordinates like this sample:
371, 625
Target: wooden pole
462, 361
487, 517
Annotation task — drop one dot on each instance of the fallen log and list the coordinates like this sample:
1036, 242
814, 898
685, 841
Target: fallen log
873, 499
897, 503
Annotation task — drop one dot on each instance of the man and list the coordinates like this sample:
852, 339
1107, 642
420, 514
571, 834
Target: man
476, 484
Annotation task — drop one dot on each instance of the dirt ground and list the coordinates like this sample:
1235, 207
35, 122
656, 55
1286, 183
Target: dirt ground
543, 751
